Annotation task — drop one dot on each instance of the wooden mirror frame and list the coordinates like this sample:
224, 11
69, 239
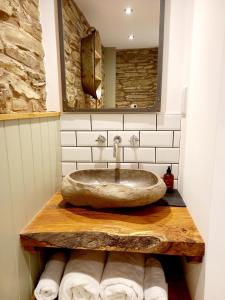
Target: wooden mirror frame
157, 105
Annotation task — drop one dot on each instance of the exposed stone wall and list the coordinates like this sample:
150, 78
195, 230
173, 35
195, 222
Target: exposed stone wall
22, 74
136, 77
75, 28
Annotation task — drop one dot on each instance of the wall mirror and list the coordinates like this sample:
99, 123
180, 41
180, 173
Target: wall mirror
111, 54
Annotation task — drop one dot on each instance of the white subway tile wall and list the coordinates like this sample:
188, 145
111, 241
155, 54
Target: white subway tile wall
160, 169
105, 154
140, 122
176, 141
139, 154
123, 165
175, 170
74, 154
167, 155
168, 122
68, 138
68, 167
107, 122
75, 122
85, 166
89, 138
156, 138
156, 149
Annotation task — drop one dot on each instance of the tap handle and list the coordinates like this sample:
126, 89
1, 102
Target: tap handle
101, 139
117, 139
133, 140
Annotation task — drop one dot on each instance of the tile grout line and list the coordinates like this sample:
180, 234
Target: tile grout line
126, 162
76, 136
124, 146
113, 129
91, 121
92, 160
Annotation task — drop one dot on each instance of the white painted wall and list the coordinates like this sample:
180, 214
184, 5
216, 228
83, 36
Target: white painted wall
203, 147
109, 65
177, 36
49, 22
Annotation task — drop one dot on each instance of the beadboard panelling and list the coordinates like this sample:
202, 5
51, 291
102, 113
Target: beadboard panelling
156, 149
29, 175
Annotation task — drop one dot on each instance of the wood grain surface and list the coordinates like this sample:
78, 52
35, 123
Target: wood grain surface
152, 229
18, 116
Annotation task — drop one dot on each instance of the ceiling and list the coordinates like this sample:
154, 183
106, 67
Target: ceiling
108, 17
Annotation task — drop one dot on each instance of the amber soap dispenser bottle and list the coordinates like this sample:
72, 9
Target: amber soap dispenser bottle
169, 180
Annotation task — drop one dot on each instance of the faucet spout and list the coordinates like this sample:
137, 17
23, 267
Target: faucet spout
116, 141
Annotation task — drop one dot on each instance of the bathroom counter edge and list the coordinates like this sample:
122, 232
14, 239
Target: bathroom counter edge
151, 229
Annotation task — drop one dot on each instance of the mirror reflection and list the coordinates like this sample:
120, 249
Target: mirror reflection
110, 54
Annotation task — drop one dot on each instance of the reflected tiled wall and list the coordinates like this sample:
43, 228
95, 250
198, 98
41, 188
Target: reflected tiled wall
157, 148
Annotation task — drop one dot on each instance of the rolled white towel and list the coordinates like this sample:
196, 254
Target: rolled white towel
123, 277
83, 272
155, 286
48, 285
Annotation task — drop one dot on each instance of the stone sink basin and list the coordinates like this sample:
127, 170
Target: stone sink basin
108, 188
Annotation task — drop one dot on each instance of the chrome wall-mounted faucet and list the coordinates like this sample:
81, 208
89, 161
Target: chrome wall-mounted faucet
101, 139
133, 140
116, 141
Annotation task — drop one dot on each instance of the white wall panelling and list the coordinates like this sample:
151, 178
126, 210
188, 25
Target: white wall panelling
29, 175
158, 144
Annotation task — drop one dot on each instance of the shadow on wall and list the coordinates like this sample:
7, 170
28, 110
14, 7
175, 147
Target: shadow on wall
195, 276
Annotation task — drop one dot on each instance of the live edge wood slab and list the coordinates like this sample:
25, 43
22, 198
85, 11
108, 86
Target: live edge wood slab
150, 229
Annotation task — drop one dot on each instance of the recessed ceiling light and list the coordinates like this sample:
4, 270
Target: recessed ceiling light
130, 36
128, 11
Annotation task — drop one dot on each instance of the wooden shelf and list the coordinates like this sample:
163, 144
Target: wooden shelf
18, 116
152, 229
177, 286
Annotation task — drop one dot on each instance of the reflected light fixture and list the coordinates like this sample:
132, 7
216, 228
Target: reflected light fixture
128, 11
130, 36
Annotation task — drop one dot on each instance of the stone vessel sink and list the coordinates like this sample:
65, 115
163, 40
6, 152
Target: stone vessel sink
107, 188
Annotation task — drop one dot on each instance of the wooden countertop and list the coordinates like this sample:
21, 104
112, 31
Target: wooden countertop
18, 116
151, 229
